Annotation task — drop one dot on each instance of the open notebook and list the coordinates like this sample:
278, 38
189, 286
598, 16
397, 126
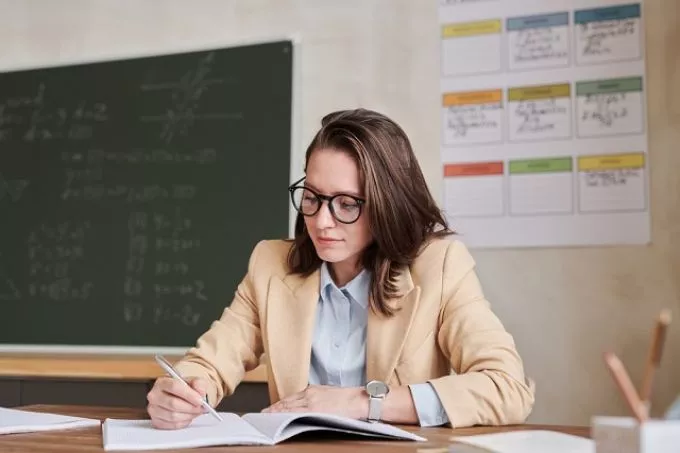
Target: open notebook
18, 421
250, 429
530, 441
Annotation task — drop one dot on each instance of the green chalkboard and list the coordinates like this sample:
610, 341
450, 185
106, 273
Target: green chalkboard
133, 191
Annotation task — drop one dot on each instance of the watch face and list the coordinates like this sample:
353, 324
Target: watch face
377, 388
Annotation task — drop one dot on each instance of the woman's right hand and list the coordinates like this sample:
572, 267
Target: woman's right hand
172, 405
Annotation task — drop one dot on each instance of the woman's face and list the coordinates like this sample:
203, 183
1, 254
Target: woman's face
331, 172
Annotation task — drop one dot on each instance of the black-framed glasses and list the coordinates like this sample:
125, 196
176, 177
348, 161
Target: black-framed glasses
344, 208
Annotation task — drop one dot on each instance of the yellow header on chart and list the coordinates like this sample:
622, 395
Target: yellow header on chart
472, 97
484, 27
611, 162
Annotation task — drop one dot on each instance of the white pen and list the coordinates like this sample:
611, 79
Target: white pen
172, 372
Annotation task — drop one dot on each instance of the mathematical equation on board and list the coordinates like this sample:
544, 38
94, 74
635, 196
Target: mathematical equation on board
159, 283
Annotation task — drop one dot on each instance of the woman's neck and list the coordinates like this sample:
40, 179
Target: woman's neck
343, 272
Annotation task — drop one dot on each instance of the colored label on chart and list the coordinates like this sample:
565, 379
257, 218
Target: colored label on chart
610, 13
539, 92
485, 27
550, 165
474, 169
541, 21
624, 85
472, 97
612, 162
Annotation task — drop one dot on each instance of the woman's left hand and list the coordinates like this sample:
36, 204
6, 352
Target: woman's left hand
349, 402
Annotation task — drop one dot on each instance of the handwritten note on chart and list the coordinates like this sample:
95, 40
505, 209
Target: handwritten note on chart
543, 122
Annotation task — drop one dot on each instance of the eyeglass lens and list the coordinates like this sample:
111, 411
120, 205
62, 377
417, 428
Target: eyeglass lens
344, 208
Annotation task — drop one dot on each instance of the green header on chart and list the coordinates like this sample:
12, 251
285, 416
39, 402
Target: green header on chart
625, 85
552, 165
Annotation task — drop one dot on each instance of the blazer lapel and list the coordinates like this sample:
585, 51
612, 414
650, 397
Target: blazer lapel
386, 336
291, 312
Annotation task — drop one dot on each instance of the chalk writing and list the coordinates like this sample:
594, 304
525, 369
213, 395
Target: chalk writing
61, 290
143, 156
177, 244
55, 254
30, 118
186, 314
85, 175
132, 311
153, 235
12, 188
185, 97
176, 222
163, 268
143, 194
8, 290
194, 289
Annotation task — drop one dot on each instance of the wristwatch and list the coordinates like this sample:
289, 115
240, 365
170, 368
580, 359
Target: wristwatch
377, 391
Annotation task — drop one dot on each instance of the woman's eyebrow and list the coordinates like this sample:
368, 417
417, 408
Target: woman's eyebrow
341, 192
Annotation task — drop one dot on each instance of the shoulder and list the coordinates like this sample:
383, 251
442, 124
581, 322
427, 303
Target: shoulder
270, 257
442, 258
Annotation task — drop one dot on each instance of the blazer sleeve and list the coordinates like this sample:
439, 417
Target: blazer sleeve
489, 387
233, 344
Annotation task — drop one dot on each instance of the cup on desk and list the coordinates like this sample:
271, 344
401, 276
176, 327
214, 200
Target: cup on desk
628, 435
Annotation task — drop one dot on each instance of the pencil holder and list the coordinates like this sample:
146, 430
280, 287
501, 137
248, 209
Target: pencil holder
627, 435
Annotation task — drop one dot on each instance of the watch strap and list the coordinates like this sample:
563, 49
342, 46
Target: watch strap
375, 408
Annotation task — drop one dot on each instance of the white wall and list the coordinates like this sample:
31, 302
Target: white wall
564, 306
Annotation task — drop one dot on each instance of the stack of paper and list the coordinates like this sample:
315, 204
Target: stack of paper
17, 421
530, 441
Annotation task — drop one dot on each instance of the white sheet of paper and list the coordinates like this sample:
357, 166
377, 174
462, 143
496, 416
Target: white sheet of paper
14, 421
531, 441
204, 431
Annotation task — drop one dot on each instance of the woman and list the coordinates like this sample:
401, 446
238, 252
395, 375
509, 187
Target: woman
371, 290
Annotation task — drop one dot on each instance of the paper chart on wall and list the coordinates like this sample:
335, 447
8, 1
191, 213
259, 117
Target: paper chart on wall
543, 122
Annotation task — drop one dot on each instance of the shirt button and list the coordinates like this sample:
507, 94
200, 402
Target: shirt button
336, 345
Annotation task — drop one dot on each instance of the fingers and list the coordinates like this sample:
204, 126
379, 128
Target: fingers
199, 385
177, 388
173, 405
292, 403
163, 419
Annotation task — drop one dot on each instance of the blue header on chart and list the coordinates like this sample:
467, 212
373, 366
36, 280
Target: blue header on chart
540, 21
610, 13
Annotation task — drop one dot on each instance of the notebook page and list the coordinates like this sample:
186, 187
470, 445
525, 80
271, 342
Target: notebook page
531, 441
282, 426
19, 421
204, 431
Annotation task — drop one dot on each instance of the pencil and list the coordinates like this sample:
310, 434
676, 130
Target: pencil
654, 357
625, 386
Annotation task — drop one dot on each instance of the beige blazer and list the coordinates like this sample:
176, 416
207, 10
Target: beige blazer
445, 334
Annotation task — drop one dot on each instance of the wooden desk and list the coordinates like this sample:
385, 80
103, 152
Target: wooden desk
89, 440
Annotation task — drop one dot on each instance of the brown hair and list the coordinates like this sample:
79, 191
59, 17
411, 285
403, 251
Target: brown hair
402, 214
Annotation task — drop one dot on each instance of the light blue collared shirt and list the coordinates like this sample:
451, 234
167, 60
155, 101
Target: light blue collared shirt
339, 344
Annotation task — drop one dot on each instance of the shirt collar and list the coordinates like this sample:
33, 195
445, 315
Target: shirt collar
357, 288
